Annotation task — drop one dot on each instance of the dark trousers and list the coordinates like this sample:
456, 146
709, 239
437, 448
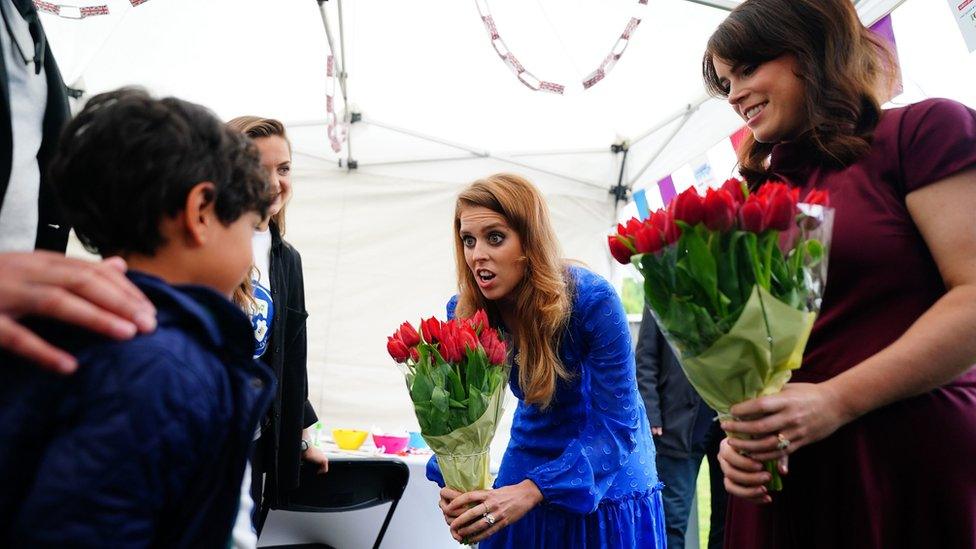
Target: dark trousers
260, 511
680, 476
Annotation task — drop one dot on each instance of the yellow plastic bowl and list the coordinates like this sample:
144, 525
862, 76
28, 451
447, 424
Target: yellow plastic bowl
349, 439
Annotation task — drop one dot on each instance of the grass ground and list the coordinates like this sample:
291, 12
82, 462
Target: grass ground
704, 494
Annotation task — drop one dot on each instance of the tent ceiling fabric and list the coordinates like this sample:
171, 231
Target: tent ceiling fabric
426, 66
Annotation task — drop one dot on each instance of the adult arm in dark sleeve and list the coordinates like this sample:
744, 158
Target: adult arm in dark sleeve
296, 351
648, 359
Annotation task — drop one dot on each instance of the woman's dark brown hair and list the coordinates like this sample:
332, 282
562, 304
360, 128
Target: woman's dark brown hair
847, 72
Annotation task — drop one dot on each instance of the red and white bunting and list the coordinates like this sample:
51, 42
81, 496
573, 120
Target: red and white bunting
532, 82
77, 12
70, 12
335, 129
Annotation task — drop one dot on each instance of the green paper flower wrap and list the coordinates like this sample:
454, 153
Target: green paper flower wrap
456, 373
735, 281
462, 454
752, 359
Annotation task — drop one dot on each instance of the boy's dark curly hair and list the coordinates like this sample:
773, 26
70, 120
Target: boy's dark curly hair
129, 160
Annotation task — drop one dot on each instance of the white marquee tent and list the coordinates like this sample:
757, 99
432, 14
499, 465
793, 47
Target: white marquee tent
439, 109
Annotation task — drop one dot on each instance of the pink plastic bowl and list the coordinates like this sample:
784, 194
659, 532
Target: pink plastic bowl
391, 444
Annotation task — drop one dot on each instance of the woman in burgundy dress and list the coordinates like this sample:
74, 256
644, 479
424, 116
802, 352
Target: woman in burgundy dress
878, 429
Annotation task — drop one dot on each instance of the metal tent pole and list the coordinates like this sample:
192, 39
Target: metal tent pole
341, 73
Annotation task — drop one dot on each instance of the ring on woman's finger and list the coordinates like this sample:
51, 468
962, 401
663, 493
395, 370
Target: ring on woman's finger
489, 518
487, 509
783, 443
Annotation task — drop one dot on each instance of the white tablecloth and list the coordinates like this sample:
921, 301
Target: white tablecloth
417, 521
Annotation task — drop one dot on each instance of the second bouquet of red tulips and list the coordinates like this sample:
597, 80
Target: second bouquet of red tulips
456, 372
734, 280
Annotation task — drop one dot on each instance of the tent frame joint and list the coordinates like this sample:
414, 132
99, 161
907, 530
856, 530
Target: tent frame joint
620, 191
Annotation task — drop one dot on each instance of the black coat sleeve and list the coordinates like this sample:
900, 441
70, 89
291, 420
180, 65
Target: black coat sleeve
296, 351
649, 364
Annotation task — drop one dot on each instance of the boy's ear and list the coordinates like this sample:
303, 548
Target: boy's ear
199, 215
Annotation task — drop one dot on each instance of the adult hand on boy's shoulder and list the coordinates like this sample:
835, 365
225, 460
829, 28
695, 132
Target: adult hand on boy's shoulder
96, 296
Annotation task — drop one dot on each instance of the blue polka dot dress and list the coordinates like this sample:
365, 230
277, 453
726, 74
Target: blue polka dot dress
591, 452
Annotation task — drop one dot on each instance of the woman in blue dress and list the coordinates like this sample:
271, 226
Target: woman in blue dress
579, 468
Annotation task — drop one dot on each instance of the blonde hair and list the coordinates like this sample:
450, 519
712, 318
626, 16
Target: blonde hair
256, 127
543, 298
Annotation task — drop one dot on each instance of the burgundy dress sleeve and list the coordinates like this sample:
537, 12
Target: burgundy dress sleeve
937, 139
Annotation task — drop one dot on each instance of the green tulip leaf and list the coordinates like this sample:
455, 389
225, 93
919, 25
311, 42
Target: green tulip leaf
421, 388
440, 399
477, 404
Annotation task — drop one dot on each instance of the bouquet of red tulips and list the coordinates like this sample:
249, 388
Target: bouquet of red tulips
735, 280
456, 372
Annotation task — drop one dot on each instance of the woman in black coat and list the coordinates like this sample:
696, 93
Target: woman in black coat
275, 296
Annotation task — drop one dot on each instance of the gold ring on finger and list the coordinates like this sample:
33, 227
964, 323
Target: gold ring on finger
489, 518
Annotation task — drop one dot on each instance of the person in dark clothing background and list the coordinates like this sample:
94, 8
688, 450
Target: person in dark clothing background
285, 442
684, 432
38, 279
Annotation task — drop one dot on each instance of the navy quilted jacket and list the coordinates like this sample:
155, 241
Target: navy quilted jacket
146, 444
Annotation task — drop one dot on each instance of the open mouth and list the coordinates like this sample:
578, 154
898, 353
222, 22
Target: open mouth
755, 110
484, 275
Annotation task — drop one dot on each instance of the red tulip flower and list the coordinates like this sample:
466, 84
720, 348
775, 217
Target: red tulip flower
619, 250
719, 210
450, 345
780, 211
819, 197
659, 220
431, 328
780, 201
633, 225
408, 335
494, 347
671, 230
479, 321
772, 187
734, 187
397, 349
648, 240
752, 214
688, 207
414, 354
468, 338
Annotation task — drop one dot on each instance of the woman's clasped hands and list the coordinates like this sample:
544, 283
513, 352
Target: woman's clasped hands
474, 516
771, 428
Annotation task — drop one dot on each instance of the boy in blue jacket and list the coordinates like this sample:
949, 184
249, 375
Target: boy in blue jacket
146, 444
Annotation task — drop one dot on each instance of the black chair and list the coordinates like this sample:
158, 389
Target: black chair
349, 485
